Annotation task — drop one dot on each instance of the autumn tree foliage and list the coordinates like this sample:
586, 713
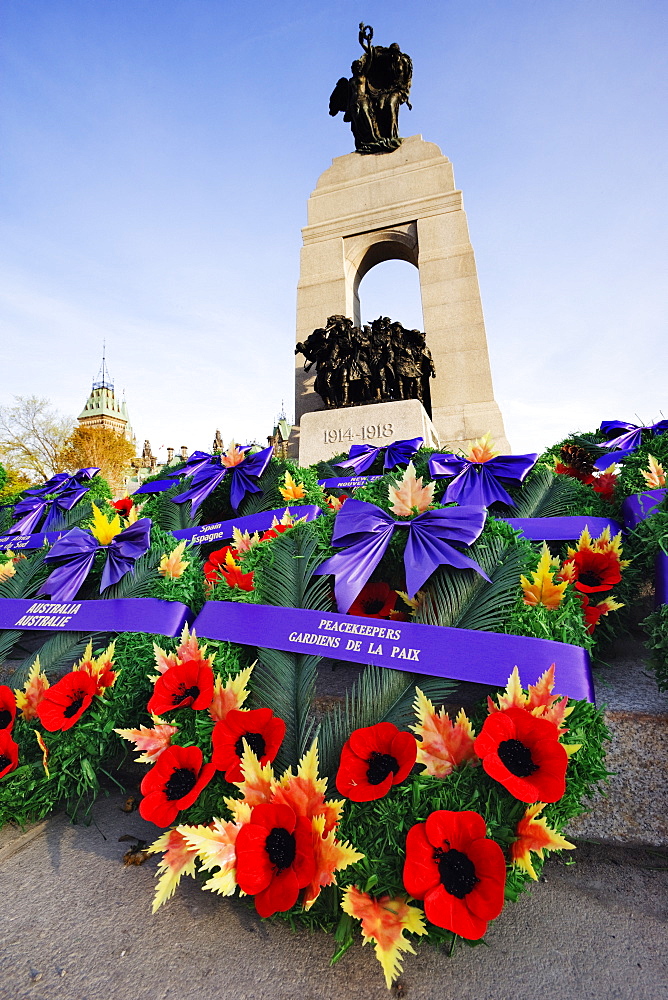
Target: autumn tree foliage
111, 452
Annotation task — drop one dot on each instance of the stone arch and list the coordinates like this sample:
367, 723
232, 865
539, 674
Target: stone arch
365, 250
401, 205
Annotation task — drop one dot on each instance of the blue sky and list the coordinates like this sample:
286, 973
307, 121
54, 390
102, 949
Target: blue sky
158, 157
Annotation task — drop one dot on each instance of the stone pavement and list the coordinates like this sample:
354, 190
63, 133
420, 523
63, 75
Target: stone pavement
77, 926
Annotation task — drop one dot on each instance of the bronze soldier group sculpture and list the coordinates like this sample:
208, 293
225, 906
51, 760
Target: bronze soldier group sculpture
371, 364
371, 98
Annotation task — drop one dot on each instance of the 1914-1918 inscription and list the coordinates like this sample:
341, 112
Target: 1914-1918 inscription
368, 432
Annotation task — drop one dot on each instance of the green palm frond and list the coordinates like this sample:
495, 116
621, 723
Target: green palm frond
174, 516
463, 599
378, 695
56, 656
83, 511
8, 638
29, 575
545, 494
285, 682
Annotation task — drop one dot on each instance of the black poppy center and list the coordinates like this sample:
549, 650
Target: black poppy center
380, 765
281, 848
4, 761
456, 872
5, 718
73, 708
181, 781
180, 696
254, 740
373, 606
517, 758
589, 578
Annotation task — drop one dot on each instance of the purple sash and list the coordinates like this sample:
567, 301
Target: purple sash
463, 654
127, 614
560, 529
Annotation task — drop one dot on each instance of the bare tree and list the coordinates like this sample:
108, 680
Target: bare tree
33, 437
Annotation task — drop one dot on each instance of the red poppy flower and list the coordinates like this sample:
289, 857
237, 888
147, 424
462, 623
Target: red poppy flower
212, 567
7, 707
456, 870
523, 753
188, 683
123, 506
260, 728
173, 784
595, 571
66, 701
375, 600
9, 753
274, 857
374, 759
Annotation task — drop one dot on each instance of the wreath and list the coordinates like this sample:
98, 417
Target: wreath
418, 807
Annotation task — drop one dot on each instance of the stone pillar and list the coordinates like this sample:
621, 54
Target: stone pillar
401, 205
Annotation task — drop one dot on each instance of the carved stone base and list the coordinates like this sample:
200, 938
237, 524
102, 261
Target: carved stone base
325, 433
459, 425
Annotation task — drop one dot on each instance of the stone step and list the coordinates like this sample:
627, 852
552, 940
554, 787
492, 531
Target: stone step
633, 809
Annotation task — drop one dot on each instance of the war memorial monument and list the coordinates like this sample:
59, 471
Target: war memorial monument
392, 199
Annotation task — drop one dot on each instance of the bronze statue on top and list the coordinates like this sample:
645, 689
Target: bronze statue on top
371, 98
371, 364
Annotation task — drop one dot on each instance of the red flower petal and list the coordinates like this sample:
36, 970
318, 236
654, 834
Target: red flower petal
7, 707
187, 684
66, 701
486, 899
9, 753
547, 782
254, 869
279, 896
426, 873
370, 739
453, 914
457, 828
275, 888
156, 806
260, 725
420, 872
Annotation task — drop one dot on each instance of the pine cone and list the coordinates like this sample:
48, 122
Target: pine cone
577, 458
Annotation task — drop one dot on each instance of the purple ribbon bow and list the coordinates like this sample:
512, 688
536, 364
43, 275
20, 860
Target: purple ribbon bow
75, 553
197, 461
362, 456
244, 479
365, 530
479, 483
625, 443
64, 481
35, 507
